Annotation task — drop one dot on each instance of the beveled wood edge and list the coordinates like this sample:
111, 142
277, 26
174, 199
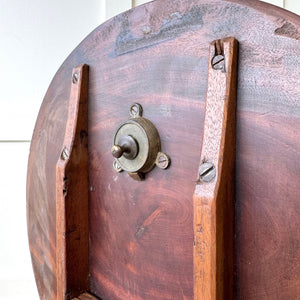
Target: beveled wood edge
72, 219
214, 200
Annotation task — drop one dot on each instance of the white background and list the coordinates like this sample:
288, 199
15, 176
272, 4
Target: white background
35, 38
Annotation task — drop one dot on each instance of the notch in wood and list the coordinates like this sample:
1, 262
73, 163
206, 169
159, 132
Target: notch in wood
214, 198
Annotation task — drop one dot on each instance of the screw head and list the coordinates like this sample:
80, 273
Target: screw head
65, 154
162, 160
75, 78
146, 29
136, 110
207, 172
218, 62
117, 167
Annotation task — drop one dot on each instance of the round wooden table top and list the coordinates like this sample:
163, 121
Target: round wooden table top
141, 233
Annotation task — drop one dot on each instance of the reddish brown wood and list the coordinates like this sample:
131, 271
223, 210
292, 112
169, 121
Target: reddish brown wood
214, 200
72, 234
141, 233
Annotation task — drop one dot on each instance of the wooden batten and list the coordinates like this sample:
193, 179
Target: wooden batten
72, 231
214, 193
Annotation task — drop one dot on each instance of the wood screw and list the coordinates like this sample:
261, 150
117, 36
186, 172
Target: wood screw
146, 29
136, 110
162, 160
65, 154
218, 62
75, 78
207, 172
117, 167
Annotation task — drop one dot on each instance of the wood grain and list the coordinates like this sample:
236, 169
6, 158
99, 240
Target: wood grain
141, 233
72, 234
214, 200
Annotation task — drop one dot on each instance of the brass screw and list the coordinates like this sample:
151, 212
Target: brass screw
207, 172
136, 110
117, 167
75, 78
162, 160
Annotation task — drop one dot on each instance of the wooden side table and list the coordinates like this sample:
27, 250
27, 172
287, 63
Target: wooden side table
198, 101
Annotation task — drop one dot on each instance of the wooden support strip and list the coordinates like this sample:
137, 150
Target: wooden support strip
72, 235
214, 192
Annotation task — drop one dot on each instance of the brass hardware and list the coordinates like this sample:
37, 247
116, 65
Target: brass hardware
162, 160
136, 146
116, 151
117, 166
136, 110
127, 147
138, 176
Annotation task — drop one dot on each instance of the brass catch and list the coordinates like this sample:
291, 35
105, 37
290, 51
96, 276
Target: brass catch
136, 146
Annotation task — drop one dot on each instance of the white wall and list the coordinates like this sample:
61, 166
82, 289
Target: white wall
36, 37
292, 5
16, 278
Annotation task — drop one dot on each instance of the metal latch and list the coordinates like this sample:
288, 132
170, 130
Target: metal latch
136, 146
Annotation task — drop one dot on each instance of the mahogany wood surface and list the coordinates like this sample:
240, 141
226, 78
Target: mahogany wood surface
214, 199
72, 225
141, 233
